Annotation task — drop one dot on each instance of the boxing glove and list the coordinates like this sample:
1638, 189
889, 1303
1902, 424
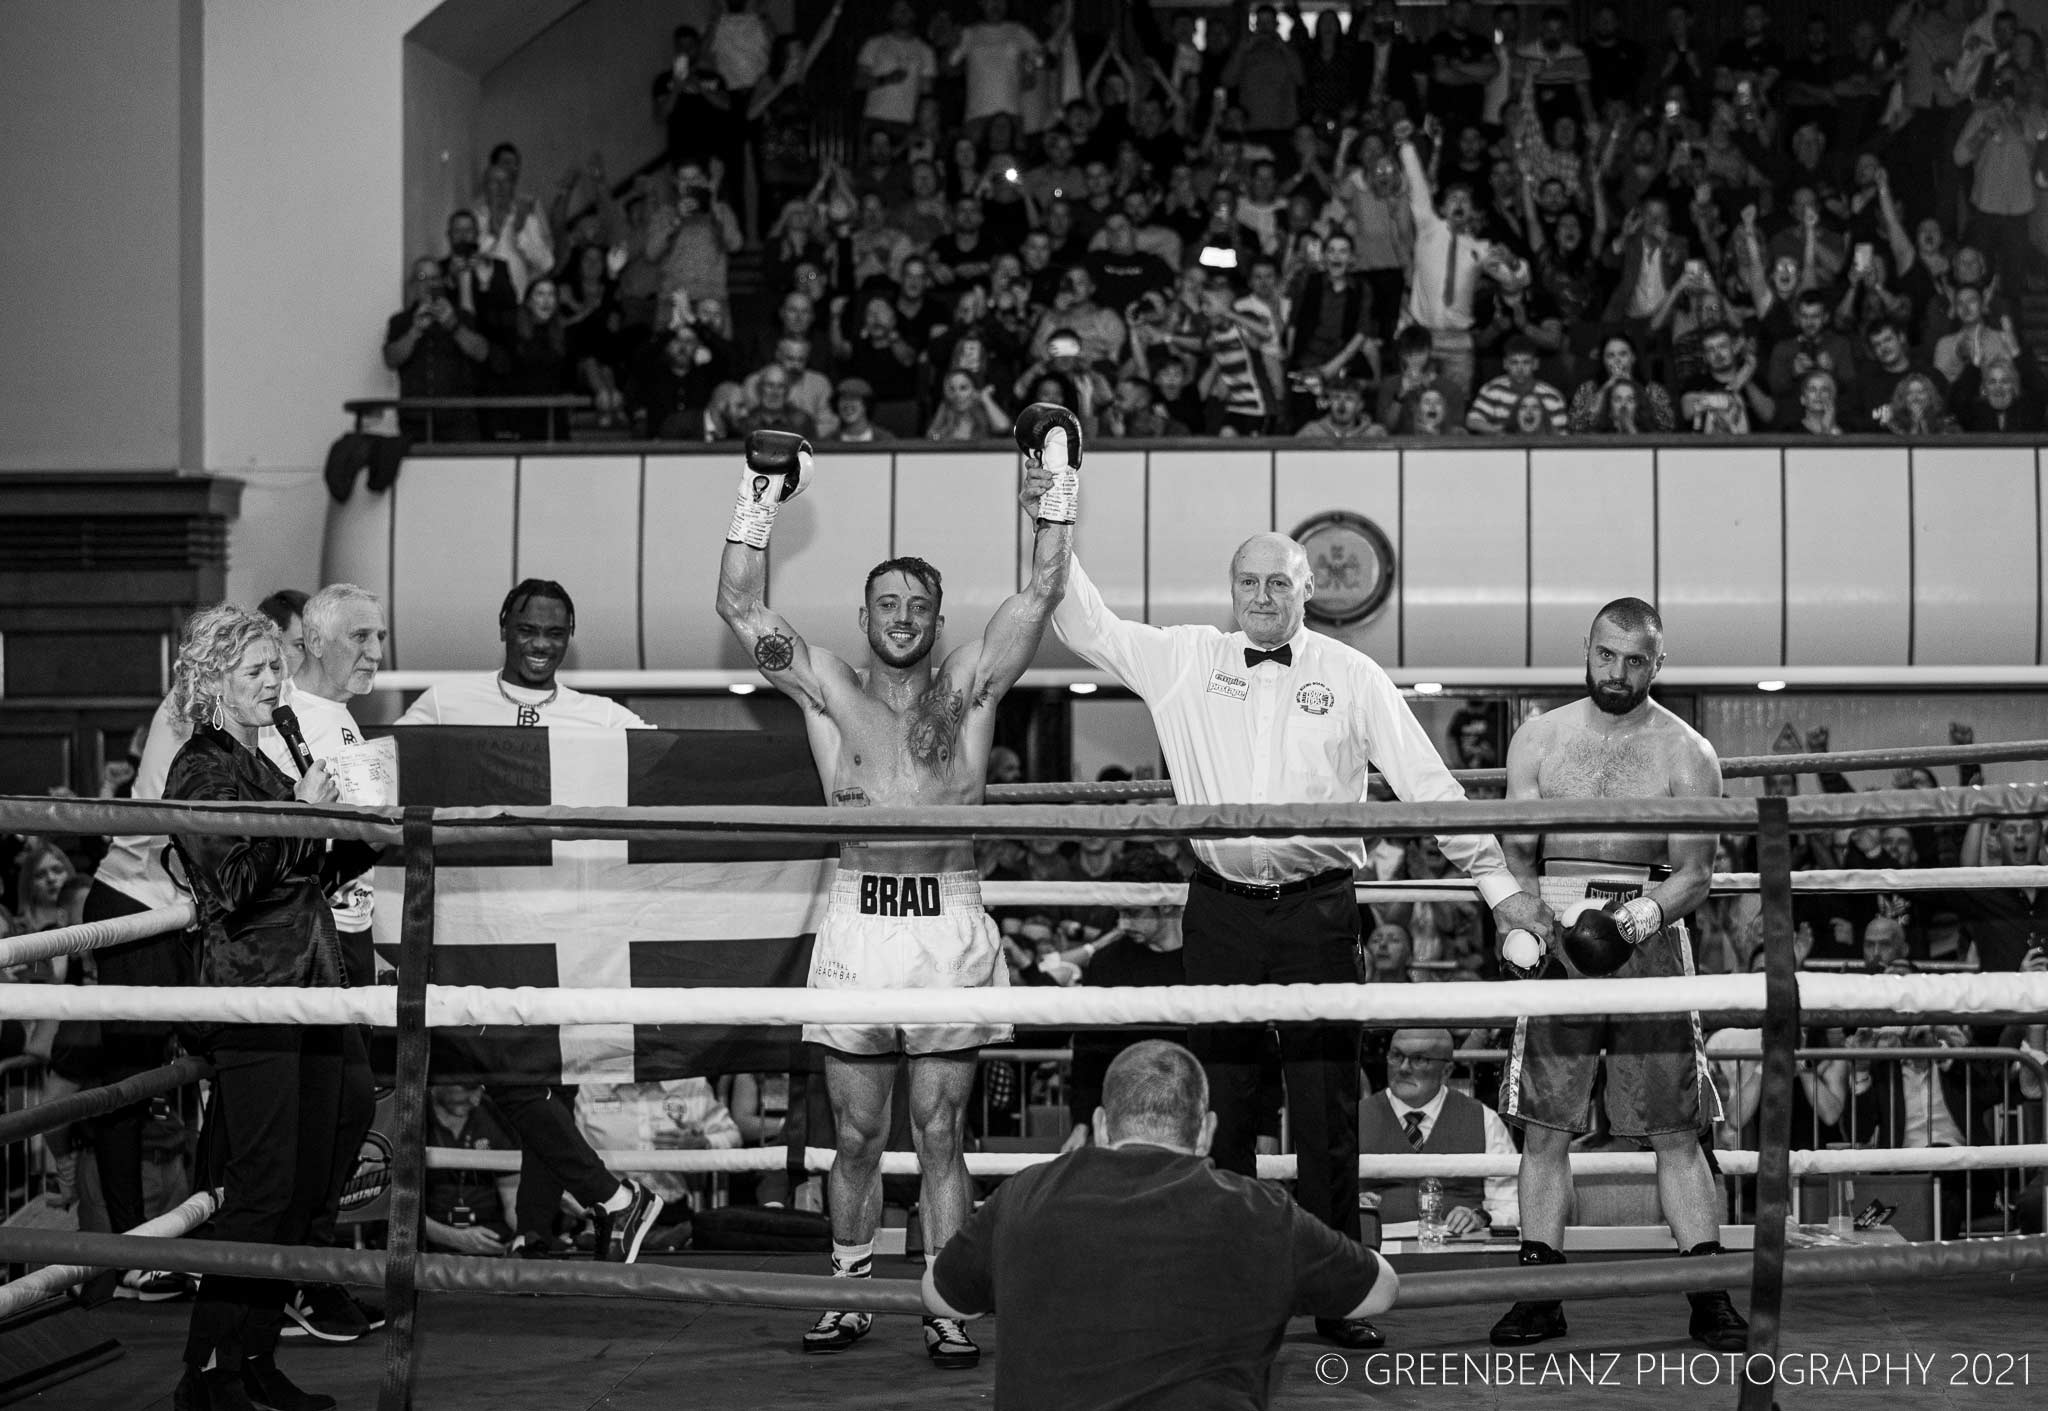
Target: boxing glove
1600, 938
778, 467
1050, 435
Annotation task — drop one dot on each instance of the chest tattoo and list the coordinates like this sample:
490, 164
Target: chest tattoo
931, 725
851, 798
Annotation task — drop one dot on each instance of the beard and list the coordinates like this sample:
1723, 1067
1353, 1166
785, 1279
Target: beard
1616, 698
886, 652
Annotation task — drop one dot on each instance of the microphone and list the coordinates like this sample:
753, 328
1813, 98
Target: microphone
287, 722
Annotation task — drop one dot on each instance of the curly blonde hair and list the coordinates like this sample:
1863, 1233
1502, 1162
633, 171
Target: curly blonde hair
214, 642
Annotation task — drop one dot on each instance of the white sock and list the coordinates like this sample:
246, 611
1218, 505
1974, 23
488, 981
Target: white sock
853, 1261
620, 1199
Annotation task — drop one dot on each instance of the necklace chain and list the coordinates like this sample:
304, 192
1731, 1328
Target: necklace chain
499, 682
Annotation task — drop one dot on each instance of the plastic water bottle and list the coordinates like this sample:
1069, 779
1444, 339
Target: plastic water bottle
1430, 1217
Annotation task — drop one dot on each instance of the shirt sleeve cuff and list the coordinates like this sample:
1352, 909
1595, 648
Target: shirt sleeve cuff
1496, 887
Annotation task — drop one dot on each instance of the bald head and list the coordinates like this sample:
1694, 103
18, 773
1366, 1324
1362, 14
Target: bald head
1270, 584
1430, 1043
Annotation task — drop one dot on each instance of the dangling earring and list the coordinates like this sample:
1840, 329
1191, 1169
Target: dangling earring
219, 717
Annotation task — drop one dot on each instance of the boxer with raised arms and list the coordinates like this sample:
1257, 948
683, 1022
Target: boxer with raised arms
1621, 900
901, 731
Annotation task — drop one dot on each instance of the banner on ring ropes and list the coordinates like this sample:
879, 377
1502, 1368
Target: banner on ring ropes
597, 914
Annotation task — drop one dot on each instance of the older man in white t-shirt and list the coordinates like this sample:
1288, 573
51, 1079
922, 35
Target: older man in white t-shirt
895, 69
995, 51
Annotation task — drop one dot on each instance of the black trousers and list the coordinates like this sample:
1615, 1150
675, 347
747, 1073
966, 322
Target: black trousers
128, 1047
553, 1155
357, 1113
1306, 938
271, 1140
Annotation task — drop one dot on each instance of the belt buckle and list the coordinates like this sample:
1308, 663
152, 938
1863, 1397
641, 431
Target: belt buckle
1261, 891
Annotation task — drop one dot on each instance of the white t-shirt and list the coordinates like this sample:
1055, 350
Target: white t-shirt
739, 47
491, 700
653, 1116
134, 863
885, 53
994, 55
328, 727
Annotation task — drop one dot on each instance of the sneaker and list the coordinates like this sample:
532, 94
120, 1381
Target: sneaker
153, 1285
324, 1312
269, 1389
947, 1344
623, 1231
1716, 1324
528, 1247
835, 1332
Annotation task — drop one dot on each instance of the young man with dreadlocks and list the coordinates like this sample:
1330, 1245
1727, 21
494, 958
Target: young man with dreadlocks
536, 624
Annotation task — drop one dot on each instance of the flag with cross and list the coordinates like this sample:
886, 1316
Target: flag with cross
611, 914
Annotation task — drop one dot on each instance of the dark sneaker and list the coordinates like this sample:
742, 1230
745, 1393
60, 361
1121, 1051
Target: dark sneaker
1528, 1322
623, 1231
947, 1344
324, 1312
211, 1391
269, 1389
154, 1285
373, 1313
1716, 1324
835, 1332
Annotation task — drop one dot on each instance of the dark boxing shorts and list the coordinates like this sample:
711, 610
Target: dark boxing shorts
1658, 1080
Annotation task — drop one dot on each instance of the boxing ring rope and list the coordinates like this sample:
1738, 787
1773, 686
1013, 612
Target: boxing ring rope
1974, 995
415, 1006
450, 1273
92, 1102
92, 935
1858, 1161
1734, 767
53, 1280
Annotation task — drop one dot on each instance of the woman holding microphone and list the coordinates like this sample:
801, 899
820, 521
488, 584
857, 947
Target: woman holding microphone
263, 919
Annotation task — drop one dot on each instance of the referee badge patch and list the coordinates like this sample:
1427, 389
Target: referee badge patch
1222, 683
1315, 698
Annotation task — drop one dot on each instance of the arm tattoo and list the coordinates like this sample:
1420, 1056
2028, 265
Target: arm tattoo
774, 652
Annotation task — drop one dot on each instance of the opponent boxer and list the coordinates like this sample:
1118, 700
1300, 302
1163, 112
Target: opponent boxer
901, 731
1622, 899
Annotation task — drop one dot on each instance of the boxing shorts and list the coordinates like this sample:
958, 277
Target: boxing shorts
907, 931
1658, 1079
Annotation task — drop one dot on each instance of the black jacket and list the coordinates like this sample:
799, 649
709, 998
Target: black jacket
263, 916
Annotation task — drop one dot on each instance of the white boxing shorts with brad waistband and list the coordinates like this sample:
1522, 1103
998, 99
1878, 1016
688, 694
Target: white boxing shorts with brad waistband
907, 931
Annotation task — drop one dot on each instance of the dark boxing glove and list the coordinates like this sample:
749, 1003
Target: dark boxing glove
1599, 938
1050, 435
778, 467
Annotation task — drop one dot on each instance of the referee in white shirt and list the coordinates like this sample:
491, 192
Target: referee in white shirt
1274, 713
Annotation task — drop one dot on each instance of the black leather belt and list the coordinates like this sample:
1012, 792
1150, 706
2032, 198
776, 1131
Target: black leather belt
1271, 891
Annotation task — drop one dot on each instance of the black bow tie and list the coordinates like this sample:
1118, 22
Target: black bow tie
1284, 654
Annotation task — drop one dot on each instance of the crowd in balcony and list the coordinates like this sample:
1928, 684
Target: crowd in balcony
1337, 225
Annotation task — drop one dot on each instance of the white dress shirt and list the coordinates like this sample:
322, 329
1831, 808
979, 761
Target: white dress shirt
491, 700
1438, 299
1304, 733
1503, 1198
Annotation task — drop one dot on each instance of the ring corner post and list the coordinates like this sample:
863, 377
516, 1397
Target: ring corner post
1774, 1110
414, 1045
